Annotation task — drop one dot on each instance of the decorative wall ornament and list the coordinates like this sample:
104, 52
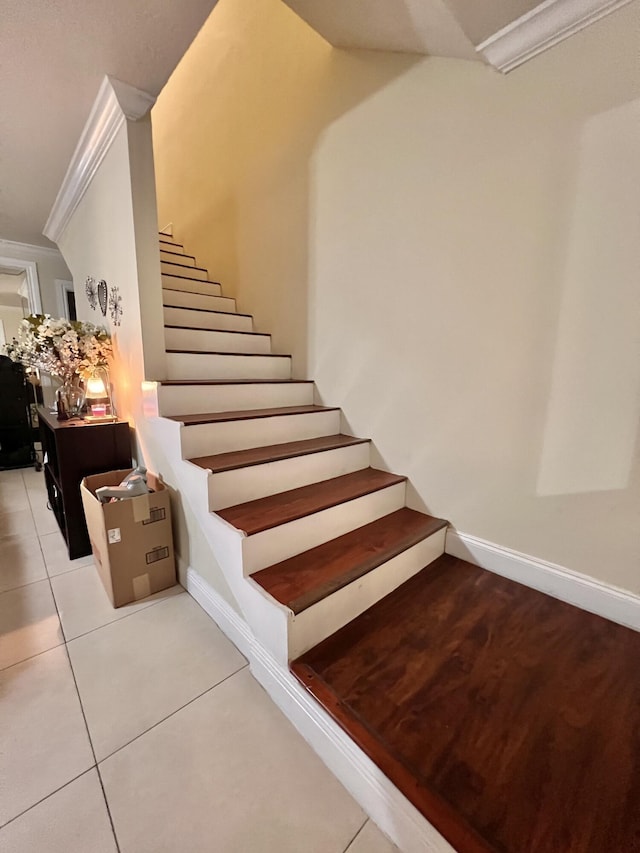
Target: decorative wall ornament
92, 292
115, 305
103, 296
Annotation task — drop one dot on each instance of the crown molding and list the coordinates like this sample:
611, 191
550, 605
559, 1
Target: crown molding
541, 28
115, 103
29, 248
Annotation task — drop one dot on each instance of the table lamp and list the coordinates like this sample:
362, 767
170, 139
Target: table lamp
98, 396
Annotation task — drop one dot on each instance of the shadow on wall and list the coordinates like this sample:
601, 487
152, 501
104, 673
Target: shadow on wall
234, 132
594, 405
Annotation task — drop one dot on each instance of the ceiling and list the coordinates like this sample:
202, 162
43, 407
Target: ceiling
437, 27
53, 56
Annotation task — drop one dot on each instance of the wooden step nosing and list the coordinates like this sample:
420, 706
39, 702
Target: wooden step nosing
204, 310
222, 331
251, 417
178, 255
169, 242
323, 507
314, 596
294, 454
197, 293
187, 277
184, 266
186, 382
232, 354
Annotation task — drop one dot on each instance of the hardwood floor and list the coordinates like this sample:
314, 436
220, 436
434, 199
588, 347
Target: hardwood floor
510, 719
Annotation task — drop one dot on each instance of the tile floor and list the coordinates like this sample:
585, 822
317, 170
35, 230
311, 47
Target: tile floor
140, 730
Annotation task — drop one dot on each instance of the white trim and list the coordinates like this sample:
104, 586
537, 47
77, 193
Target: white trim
585, 592
14, 246
62, 288
115, 102
33, 282
379, 798
541, 28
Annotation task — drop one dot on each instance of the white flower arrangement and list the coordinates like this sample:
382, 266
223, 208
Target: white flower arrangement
62, 348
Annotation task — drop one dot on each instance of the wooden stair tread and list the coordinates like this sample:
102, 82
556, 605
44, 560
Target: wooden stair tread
258, 455
187, 277
262, 514
177, 254
307, 578
203, 310
216, 352
235, 381
221, 331
247, 414
184, 266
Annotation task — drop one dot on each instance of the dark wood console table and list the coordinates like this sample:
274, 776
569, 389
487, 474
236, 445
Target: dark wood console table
73, 450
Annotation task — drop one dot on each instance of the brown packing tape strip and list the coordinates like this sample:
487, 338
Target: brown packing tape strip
141, 586
141, 509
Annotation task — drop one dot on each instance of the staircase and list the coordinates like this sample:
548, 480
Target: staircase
307, 534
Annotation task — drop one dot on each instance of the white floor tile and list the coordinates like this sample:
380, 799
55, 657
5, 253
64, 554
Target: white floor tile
84, 604
16, 522
56, 555
135, 672
44, 519
371, 840
73, 820
29, 623
33, 480
227, 773
20, 561
13, 495
43, 738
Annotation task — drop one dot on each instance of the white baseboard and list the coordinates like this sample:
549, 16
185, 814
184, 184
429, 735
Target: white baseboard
612, 603
372, 790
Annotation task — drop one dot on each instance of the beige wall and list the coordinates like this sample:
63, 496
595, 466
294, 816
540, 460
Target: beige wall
10, 317
451, 253
112, 235
51, 266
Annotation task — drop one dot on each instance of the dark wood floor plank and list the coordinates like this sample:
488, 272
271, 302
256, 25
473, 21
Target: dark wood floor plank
247, 414
307, 578
262, 514
274, 452
520, 712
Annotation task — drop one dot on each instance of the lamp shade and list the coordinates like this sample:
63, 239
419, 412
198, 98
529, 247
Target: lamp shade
96, 388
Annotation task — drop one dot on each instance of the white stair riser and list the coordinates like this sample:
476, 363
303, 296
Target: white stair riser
181, 299
170, 256
225, 436
206, 366
207, 320
279, 543
176, 269
228, 488
319, 621
199, 399
216, 341
191, 285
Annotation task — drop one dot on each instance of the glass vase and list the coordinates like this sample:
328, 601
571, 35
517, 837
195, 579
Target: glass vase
70, 398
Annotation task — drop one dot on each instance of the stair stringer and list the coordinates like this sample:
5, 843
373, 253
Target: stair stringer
267, 618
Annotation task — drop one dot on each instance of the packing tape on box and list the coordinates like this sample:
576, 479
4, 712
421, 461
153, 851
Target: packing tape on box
141, 510
141, 586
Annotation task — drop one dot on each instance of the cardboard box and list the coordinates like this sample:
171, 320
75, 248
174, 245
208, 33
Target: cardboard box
131, 539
